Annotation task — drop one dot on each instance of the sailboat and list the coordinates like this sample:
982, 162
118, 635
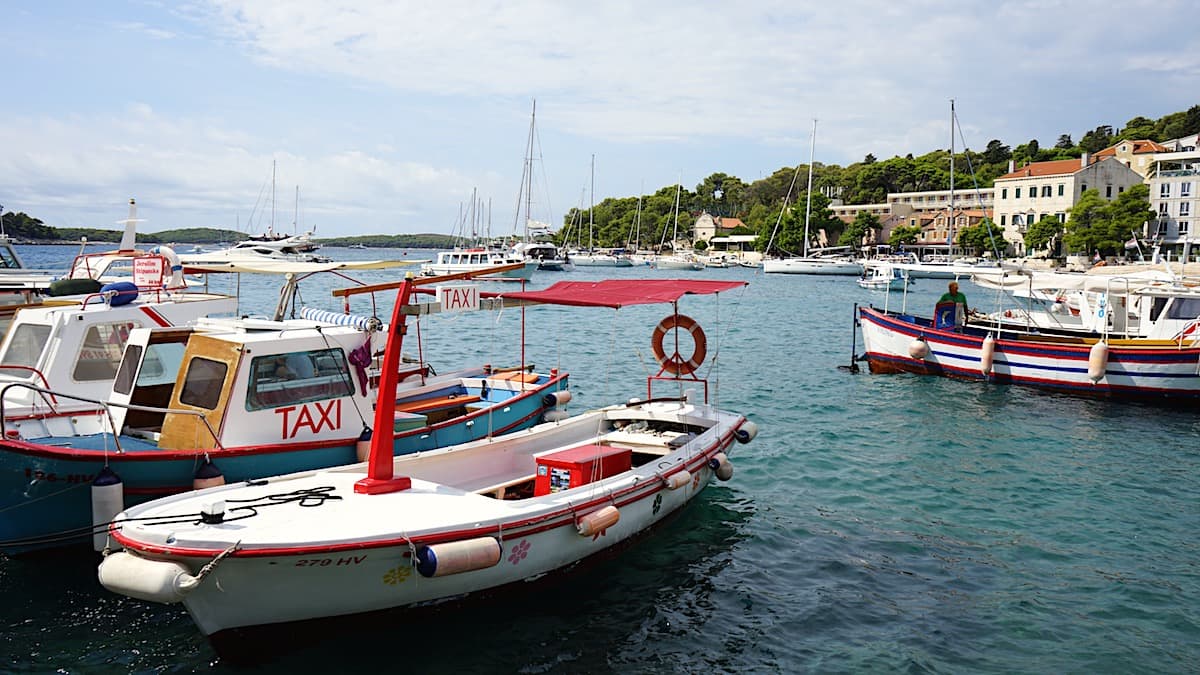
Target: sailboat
816, 263
544, 253
944, 266
678, 260
591, 257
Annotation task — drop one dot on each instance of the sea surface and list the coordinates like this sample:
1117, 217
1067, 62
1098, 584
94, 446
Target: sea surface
879, 523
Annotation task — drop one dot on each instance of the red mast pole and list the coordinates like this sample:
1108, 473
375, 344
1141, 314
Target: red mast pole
379, 472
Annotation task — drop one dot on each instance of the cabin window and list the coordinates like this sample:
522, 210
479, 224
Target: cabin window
1184, 308
159, 367
298, 377
202, 383
26, 345
8, 259
124, 382
103, 344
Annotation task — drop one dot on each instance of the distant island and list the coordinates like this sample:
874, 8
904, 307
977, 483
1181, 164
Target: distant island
23, 228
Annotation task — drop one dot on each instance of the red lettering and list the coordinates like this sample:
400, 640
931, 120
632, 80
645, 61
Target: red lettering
324, 416
304, 419
285, 411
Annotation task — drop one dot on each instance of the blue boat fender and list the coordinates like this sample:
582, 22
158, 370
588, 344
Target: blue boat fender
721, 466
362, 446
746, 433
454, 557
120, 292
108, 499
208, 475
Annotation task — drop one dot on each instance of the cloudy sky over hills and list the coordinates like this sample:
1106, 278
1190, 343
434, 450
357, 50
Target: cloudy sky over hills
387, 114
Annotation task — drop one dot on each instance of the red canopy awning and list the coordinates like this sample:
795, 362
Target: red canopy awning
618, 293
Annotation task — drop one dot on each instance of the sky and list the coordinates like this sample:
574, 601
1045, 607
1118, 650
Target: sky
386, 117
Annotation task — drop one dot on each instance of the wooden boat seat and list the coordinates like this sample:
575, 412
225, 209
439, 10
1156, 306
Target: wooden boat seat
436, 403
497, 491
516, 376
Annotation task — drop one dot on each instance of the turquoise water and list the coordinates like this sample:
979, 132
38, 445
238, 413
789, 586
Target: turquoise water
877, 523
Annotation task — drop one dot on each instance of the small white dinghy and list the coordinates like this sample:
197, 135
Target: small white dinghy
405, 532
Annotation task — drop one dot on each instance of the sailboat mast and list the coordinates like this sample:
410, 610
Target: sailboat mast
950, 237
272, 197
529, 172
675, 228
296, 215
812, 153
592, 206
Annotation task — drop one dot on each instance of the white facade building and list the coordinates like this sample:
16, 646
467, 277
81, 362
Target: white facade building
1175, 197
1029, 194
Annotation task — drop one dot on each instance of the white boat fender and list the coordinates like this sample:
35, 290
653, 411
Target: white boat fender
747, 432
556, 398
208, 475
678, 479
176, 280
154, 580
454, 557
1097, 361
555, 415
108, 499
362, 447
987, 353
721, 465
918, 348
597, 521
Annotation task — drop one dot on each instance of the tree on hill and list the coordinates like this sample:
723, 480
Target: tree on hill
1045, 233
1097, 225
857, 230
983, 237
1097, 139
904, 235
1065, 142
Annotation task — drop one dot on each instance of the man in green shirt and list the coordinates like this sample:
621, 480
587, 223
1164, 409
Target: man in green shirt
960, 303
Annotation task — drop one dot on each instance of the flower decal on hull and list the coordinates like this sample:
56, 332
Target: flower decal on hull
519, 552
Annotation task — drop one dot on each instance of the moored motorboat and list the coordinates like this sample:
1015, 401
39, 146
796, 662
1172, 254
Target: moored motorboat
1099, 365
882, 276
246, 398
424, 529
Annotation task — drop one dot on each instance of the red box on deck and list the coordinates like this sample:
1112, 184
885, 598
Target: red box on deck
573, 467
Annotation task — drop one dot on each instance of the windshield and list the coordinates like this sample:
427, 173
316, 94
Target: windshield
26, 345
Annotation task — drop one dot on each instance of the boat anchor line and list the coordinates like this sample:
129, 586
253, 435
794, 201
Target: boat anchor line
307, 498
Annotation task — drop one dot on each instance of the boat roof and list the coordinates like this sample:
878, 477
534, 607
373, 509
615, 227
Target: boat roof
618, 293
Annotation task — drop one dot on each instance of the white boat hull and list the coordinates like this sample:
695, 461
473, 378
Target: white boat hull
810, 266
1155, 369
355, 554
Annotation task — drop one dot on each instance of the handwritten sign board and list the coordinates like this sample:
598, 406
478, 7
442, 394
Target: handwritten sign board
148, 271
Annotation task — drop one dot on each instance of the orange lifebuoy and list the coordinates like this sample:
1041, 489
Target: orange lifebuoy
675, 363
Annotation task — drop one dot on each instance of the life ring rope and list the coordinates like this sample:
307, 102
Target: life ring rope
675, 363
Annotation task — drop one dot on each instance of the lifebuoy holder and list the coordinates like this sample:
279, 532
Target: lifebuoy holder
675, 363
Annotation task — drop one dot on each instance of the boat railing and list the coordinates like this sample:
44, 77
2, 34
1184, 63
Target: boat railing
106, 406
50, 400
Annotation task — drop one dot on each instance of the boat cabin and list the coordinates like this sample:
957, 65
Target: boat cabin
245, 381
73, 345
